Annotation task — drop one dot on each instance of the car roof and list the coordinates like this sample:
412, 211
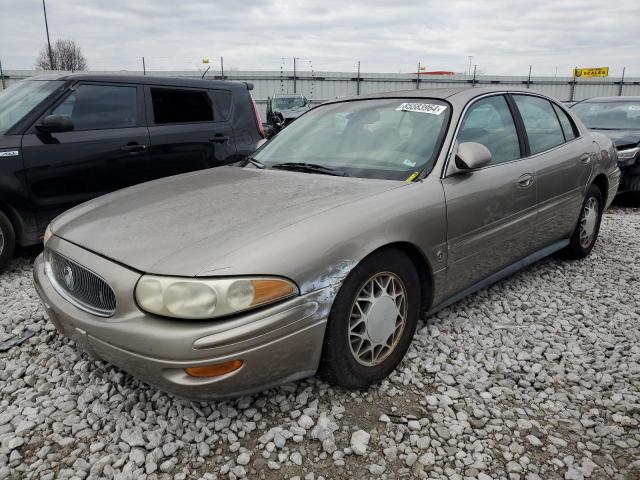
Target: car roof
142, 79
456, 95
611, 99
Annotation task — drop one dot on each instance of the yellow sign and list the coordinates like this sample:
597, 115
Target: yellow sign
205, 60
591, 72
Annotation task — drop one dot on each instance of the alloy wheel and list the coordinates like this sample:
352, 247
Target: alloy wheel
378, 318
588, 222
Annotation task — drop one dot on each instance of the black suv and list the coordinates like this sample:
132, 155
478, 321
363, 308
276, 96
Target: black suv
67, 139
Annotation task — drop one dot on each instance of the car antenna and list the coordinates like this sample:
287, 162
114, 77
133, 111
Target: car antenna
205, 72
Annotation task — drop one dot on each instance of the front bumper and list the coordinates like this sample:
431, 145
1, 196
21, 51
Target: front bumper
614, 185
277, 344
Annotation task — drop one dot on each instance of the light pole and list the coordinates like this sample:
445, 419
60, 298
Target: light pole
470, 57
46, 26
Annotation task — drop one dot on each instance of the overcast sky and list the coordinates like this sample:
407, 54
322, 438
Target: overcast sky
503, 36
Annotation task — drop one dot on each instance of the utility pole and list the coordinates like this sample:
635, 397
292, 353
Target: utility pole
473, 82
294, 75
358, 80
144, 67
418, 77
46, 26
222, 67
2, 75
470, 58
572, 90
529, 78
621, 82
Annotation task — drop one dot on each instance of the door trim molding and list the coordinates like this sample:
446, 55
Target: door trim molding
500, 274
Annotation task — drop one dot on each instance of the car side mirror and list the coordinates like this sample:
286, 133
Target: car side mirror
471, 156
56, 124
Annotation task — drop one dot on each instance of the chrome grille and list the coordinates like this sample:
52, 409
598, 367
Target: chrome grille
80, 286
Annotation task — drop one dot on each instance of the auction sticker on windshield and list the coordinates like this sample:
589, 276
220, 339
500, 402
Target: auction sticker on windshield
422, 108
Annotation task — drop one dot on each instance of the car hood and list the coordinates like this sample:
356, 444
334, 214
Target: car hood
181, 225
9, 142
622, 138
292, 113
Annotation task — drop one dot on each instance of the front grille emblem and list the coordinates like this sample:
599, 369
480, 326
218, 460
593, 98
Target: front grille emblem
67, 275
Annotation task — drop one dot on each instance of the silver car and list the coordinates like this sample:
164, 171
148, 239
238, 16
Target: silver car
320, 254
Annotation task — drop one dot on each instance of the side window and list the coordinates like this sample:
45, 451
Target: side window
95, 107
489, 122
540, 122
567, 125
181, 106
222, 100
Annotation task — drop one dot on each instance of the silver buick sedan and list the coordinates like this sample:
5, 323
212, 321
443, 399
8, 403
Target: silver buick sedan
321, 252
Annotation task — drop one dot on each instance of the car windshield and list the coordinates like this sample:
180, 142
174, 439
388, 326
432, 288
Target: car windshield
619, 115
392, 139
19, 99
288, 103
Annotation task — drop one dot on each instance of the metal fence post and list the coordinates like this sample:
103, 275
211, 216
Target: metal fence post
529, 78
621, 82
572, 89
2, 75
473, 82
358, 80
418, 77
144, 67
294, 75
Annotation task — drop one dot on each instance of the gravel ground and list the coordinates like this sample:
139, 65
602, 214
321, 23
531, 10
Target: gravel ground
537, 377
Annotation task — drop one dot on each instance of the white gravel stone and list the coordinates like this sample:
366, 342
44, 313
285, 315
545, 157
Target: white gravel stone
534, 378
306, 422
359, 442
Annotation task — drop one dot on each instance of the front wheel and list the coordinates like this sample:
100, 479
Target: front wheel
372, 321
7, 241
586, 232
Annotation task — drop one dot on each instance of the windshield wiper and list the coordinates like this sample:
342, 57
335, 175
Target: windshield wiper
309, 168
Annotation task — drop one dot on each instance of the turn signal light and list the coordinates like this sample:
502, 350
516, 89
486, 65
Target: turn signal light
267, 290
215, 370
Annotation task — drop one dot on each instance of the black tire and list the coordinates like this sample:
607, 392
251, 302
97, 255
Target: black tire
7, 241
577, 249
338, 364
631, 197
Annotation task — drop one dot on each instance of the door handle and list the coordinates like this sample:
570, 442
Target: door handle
586, 158
133, 147
526, 180
219, 138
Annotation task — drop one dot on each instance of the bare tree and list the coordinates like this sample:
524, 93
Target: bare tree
66, 55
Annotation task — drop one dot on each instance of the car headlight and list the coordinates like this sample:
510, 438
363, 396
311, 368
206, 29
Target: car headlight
626, 157
192, 298
47, 234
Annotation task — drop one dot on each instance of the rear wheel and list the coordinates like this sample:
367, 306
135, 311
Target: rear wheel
372, 321
586, 232
7, 241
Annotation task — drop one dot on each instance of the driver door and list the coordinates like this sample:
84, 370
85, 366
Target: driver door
490, 211
106, 150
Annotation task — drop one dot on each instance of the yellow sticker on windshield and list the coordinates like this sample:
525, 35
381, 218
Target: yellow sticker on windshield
412, 177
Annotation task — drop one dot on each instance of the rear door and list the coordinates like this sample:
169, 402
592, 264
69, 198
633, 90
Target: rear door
106, 150
189, 129
490, 211
563, 164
